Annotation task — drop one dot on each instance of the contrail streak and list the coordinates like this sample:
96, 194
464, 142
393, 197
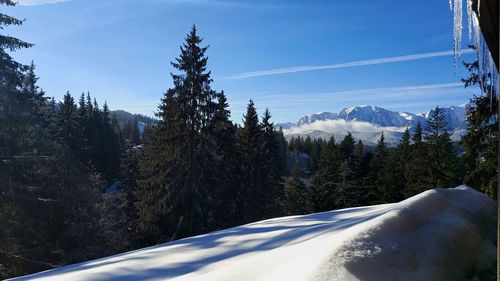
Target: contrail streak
304, 68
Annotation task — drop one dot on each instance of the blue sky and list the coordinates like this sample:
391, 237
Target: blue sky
295, 57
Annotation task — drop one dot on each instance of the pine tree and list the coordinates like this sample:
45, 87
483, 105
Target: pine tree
252, 198
296, 194
315, 155
373, 180
109, 146
392, 179
156, 165
442, 157
68, 130
362, 158
47, 203
307, 145
177, 159
349, 191
226, 170
118, 211
481, 141
403, 148
282, 153
346, 147
11, 77
15, 139
361, 161
31, 90
82, 109
271, 166
323, 182
418, 168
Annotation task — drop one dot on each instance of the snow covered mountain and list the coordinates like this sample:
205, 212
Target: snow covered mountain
367, 122
320, 116
378, 116
455, 117
440, 234
286, 125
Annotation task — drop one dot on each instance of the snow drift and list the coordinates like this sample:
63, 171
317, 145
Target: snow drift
441, 234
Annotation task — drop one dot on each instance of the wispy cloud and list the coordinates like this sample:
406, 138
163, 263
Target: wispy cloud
411, 98
39, 2
364, 94
226, 4
341, 126
303, 68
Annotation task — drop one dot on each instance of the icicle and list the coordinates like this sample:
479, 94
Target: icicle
457, 31
469, 18
487, 71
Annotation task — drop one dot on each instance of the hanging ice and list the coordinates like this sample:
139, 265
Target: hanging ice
488, 73
457, 29
469, 18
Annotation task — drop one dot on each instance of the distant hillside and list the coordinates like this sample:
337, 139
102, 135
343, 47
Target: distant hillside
123, 117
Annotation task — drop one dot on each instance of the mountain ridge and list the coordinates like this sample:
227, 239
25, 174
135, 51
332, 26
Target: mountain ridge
383, 117
366, 122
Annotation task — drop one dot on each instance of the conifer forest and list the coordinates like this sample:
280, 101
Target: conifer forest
79, 181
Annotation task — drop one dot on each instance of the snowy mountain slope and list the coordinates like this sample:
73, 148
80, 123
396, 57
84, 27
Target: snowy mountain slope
320, 116
364, 131
442, 234
377, 116
286, 125
455, 116
376, 119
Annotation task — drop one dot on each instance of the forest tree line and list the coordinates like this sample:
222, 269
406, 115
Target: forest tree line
348, 174
77, 183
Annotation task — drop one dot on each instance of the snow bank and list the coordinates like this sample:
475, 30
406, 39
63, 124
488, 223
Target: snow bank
442, 234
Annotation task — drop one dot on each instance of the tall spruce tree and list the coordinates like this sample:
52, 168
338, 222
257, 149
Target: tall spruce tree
296, 194
226, 170
394, 176
68, 130
442, 157
323, 183
178, 157
349, 193
47, 200
252, 200
11, 77
361, 161
272, 168
109, 146
403, 148
481, 141
392, 181
418, 168
315, 155
373, 180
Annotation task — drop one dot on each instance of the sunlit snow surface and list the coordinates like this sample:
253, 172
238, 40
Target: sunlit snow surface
442, 234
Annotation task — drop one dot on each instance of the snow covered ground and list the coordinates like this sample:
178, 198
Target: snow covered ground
442, 234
